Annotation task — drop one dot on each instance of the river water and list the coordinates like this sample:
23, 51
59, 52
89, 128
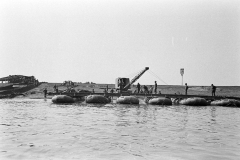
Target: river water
38, 129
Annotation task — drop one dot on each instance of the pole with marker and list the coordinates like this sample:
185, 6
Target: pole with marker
182, 72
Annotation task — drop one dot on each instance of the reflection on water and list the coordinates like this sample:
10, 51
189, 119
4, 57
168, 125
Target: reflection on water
38, 129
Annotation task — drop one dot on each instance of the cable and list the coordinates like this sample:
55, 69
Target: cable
157, 76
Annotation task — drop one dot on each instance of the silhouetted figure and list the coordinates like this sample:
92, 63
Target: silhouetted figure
45, 92
112, 90
213, 90
155, 87
138, 88
145, 89
151, 89
186, 88
56, 89
105, 91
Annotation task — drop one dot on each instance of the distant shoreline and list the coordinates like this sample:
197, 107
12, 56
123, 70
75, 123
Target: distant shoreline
37, 92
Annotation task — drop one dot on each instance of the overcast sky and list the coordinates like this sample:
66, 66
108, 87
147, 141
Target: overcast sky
100, 40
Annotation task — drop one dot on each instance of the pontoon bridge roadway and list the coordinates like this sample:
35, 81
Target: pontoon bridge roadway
80, 95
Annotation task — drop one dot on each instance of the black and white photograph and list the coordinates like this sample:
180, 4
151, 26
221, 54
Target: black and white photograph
119, 79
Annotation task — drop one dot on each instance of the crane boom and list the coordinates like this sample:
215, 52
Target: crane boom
136, 78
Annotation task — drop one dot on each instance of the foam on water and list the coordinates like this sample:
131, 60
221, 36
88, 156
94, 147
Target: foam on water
39, 129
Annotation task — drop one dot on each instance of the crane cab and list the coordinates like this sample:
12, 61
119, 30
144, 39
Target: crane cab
124, 82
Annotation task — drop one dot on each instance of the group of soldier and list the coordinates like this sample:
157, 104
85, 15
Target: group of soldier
144, 89
140, 89
213, 88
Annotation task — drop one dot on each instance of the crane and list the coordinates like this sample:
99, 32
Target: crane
126, 83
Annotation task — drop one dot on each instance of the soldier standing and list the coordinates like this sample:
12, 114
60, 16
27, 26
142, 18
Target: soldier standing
155, 87
186, 88
213, 90
45, 92
138, 87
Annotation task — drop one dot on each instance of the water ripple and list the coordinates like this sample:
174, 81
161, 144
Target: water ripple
38, 129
